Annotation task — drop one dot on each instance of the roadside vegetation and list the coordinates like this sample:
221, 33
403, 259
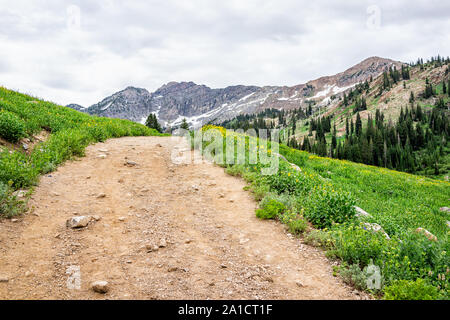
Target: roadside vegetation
317, 201
70, 132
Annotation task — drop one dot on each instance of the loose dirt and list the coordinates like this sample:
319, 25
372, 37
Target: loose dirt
166, 231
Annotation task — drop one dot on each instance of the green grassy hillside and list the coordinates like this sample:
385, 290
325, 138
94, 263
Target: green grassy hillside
398, 120
22, 117
323, 194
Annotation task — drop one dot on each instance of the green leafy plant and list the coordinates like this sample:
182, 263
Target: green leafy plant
12, 128
319, 238
9, 205
411, 290
354, 276
270, 209
327, 206
354, 244
295, 223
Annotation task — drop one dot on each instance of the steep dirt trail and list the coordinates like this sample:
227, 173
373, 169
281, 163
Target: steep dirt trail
215, 246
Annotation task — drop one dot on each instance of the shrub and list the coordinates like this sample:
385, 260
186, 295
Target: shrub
327, 206
354, 244
16, 167
289, 181
295, 223
417, 257
9, 205
12, 128
411, 290
319, 238
354, 276
364, 279
297, 226
270, 209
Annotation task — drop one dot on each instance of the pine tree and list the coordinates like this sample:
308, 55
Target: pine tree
411, 98
358, 125
386, 82
345, 100
184, 124
347, 129
334, 139
429, 91
152, 122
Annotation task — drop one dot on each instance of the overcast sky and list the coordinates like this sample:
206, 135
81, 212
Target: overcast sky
81, 51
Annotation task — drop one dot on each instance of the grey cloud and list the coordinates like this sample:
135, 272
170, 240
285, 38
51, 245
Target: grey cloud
217, 43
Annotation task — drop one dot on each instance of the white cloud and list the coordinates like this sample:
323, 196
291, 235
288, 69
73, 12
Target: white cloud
217, 43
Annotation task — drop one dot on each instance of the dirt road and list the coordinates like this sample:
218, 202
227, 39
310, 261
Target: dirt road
210, 244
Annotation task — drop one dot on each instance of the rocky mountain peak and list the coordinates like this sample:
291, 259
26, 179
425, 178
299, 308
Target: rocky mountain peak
200, 104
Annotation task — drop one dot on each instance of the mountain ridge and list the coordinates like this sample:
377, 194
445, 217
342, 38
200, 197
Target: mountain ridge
200, 104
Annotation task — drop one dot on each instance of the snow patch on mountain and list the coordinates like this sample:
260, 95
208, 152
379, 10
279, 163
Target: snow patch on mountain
246, 97
107, 106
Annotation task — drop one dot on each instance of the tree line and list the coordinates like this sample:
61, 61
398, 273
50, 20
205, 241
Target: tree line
417, 141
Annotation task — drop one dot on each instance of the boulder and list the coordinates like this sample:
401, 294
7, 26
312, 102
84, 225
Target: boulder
130, 163
20, 194
427, 234
78, 222
361, 213
100, 286
375, 227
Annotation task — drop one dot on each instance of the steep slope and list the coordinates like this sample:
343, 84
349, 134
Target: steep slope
201, 104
